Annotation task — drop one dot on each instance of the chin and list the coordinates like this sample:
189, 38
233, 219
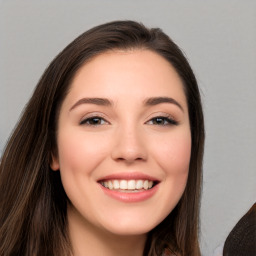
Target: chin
130, 231
133, 225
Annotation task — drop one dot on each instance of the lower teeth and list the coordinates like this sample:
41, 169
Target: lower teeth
127, 190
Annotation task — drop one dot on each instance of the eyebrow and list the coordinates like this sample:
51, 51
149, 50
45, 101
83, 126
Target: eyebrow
158, 100
105, 102
95, 101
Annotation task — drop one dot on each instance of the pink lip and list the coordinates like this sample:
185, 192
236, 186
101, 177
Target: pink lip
128, 176
130, 197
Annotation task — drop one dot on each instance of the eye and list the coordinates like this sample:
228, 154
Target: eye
94, 121
162, 120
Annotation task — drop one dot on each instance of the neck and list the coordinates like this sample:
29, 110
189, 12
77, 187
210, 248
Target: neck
87, 239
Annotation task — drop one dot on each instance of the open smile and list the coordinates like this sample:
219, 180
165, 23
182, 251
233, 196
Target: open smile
132, 187
128, 185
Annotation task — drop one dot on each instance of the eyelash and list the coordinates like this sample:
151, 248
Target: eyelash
159, 120
93, 119
167, 121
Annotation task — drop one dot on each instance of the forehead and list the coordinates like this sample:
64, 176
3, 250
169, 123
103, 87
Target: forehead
133, 73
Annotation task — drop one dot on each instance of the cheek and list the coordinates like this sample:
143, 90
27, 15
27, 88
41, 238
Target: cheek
174, 154
79, 156
174, 159
79, 153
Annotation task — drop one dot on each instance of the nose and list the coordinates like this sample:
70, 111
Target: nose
129, 146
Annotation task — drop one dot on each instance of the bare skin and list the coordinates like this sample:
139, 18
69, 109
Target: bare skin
101, 241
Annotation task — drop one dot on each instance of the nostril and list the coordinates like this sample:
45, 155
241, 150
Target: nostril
130, 159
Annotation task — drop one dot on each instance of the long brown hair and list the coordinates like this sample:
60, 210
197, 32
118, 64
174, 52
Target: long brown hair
33, 203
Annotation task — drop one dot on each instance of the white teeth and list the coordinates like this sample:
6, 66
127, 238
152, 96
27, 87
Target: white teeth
131, 184
145, 185
123, 184
116, 184
128, 184
110, 185
139, 184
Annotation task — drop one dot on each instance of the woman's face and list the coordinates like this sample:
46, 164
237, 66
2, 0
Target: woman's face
124, 142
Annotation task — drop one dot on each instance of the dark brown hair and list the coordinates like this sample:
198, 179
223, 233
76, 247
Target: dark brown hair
33, 202
241, 241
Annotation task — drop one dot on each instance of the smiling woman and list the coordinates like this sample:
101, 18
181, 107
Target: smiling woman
107, 156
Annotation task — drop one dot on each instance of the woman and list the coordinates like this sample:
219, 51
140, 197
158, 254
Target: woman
107, 157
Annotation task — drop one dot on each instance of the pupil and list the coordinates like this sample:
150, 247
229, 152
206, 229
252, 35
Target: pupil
159, 120
95, 120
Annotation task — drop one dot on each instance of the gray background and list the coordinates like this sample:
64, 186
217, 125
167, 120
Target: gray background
219, 39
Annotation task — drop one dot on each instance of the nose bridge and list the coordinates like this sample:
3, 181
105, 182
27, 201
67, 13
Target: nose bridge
129, 143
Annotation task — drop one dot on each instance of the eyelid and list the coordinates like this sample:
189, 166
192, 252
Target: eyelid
170, 119
93, 115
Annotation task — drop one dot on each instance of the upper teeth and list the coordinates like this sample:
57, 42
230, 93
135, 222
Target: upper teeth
128, 184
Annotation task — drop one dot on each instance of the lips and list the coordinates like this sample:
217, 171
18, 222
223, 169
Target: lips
129, 187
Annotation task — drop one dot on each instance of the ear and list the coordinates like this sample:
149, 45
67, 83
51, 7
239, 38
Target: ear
54, 164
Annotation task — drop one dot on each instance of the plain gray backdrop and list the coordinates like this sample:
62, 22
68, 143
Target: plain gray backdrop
219, 39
